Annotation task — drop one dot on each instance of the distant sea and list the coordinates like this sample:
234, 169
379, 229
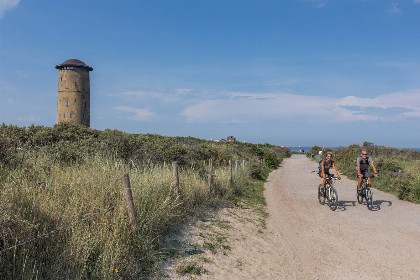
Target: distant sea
415, 149
297, 149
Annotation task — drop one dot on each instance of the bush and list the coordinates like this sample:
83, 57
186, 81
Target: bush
388, 164
408, 188
259, 171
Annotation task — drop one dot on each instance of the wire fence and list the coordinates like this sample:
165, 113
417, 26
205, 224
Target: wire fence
129, 199
60, 185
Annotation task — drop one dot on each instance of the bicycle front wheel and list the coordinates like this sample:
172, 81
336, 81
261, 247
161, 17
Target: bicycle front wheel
333, 199
321, 197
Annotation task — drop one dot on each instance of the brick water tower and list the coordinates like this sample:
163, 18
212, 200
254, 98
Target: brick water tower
73, 103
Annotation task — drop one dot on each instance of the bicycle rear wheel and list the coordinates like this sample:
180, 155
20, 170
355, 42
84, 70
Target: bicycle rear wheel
321, 197
333, 199
369, 199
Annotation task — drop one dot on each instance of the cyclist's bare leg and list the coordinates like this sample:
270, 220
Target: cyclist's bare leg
323, 183
359, 185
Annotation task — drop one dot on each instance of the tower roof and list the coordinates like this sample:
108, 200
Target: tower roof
74, 63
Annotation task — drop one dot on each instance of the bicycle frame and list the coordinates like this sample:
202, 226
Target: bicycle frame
330, 193
365, 182
329, 184
366, 193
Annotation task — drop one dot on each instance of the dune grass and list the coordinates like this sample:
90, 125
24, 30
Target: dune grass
101, 245
75, 223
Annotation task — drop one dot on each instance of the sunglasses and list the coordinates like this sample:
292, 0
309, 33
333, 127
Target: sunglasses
364, 154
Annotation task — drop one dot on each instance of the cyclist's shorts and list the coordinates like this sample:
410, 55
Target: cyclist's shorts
365, 174
326, 173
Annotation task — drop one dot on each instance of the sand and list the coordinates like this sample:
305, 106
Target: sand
305, 240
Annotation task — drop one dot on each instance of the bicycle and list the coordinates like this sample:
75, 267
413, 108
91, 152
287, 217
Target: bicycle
330, 193
365, 193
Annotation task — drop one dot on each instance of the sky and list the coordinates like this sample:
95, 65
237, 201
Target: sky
286, 72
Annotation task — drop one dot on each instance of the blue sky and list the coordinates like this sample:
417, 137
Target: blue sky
301, 72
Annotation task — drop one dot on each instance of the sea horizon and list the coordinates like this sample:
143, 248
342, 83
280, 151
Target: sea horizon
307, 148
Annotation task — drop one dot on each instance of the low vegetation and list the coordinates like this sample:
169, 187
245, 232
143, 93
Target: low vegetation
399, 169
70, 220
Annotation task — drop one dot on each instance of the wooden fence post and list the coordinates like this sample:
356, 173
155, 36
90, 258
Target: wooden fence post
230, 173
243, 165
210, 176
176, 177
130, 203
249, 165
236, 166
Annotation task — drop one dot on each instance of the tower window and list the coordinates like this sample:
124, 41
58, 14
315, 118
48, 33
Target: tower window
75, 84
67, 103
85, 104
64, 115
70, 115
83, 115
61, 78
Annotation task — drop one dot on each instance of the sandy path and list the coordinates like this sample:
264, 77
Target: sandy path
306, 240
350, 243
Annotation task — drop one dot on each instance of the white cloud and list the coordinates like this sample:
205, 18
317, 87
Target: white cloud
21, 73
167, 97
184, 90
31, 118
287, 82
138, 114
394, 8
405, 100
6, 5
136, 93
319, 3
247, 107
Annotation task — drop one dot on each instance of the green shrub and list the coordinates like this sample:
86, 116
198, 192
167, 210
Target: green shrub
388, 164
259, 171
408, 188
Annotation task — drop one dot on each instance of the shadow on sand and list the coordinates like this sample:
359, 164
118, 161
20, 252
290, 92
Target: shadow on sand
342, 204
377, 204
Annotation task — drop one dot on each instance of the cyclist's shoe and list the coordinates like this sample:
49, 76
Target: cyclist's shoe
322, 191
359, 192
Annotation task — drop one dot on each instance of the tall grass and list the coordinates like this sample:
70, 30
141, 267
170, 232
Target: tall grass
101, 245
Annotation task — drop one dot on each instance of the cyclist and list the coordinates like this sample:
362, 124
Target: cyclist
362, 166
326, 164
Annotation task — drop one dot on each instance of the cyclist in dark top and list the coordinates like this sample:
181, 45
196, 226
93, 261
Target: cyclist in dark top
362, 167
326, 164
